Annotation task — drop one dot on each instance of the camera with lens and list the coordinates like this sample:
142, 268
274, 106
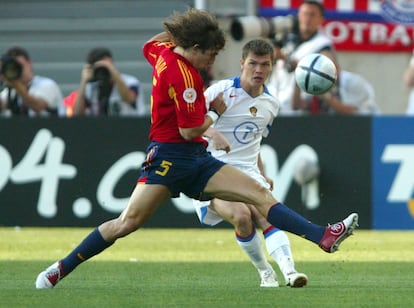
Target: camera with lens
253, 26
101, 74
10, 68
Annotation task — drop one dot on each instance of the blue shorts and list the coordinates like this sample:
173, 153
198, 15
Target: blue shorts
182, 167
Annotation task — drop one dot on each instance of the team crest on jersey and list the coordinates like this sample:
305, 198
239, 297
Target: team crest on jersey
190, 95
253, 110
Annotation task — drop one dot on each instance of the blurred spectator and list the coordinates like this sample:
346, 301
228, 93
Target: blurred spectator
103, 90
408, 79
24, 92
304, 39
352, 94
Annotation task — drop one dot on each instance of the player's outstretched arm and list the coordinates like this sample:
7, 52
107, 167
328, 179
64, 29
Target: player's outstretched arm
218, 140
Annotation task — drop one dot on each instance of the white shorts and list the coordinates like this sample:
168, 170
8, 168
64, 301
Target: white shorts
209, 216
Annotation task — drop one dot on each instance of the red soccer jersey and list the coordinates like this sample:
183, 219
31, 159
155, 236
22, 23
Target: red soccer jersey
177, 98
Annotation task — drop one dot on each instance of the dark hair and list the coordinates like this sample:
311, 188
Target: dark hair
97, 54
317, 4
18, 51
258, 47
195, 27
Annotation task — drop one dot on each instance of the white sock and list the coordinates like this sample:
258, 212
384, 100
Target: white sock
252, 246
278, 247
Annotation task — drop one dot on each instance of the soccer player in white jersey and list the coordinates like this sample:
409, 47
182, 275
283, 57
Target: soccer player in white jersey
249, 116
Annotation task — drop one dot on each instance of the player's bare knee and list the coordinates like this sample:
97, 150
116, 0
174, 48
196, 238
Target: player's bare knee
242, 219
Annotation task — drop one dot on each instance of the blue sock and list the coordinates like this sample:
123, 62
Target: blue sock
90, 246
286, 219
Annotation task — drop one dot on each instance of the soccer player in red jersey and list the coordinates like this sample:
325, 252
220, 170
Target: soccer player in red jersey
177, 160
177, 85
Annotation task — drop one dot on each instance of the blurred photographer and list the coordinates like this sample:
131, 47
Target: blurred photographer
304, 39
103, 89
25, 93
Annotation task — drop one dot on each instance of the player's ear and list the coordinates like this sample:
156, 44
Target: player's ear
193, 49
196, 48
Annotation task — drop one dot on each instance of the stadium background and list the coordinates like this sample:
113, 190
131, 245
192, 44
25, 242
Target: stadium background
366, 163
59, 33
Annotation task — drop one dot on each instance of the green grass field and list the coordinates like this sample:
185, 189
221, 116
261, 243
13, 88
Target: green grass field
204, 268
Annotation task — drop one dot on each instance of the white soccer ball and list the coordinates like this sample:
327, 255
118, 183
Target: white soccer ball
315, 74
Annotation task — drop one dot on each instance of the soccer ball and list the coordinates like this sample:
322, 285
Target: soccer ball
315, 73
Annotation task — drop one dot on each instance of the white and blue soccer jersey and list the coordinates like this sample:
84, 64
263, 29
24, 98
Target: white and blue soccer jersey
246, 120
244, 123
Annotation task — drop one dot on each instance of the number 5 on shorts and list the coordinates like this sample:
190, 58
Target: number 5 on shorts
166, 166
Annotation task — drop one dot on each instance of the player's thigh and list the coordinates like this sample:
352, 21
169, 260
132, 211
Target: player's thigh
144, 201
231, 184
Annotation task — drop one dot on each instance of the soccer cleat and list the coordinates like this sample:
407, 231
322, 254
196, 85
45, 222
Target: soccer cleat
296, 280
49, 277
269, 279
336, 233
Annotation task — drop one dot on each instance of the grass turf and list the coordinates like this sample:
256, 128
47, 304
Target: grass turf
204, 268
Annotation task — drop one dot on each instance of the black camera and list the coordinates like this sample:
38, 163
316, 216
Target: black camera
10, 68
101, 74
